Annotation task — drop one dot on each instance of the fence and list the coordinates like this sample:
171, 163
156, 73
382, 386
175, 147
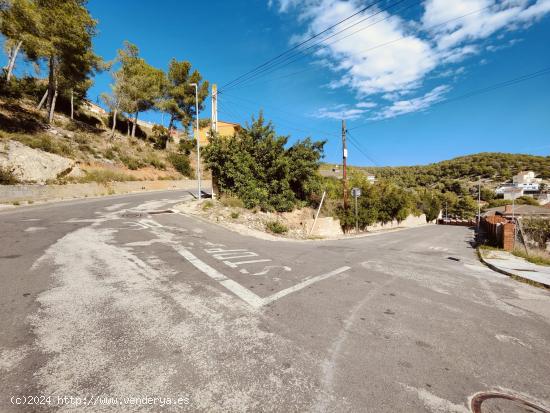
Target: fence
499, 231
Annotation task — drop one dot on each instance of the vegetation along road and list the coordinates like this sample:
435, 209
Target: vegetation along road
118, 297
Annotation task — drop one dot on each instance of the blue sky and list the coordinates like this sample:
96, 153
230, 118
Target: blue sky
388, 75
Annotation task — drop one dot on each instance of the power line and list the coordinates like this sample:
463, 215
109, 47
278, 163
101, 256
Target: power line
487, 89
302, 43
253, 104
300, 54
365, 50
355, 142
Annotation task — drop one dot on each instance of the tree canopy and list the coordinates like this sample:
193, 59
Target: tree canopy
178, 96
256, 166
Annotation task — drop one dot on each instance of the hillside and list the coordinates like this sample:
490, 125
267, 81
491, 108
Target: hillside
492, 167
88, 143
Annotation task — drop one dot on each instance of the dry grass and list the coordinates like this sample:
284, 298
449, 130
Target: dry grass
535, 256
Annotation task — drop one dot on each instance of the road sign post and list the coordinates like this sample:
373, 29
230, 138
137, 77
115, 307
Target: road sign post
356, 193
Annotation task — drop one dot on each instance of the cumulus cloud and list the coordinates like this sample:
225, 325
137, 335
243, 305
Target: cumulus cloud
390, 57
402, 107
344, 111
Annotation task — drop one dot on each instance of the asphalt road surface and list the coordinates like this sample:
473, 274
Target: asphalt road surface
124, 307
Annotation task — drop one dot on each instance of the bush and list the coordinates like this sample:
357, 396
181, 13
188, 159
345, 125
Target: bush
235, 215
7, 176
207, 205
181, 163
46, 143
276, 227
256, 166
104, 176
187, 145
153, 160
231, 202
131, 162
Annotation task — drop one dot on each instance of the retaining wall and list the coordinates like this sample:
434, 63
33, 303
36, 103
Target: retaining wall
22, 193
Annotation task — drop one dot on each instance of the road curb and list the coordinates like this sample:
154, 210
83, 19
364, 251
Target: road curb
265, 236
510, 274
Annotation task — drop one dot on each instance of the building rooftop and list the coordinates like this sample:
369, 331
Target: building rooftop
518, 210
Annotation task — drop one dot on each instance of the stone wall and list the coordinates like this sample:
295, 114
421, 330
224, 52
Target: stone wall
411, 221
23, 193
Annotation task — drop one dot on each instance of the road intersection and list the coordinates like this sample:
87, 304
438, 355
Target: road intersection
120, 296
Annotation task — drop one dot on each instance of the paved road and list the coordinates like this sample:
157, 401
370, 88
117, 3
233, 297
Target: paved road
109, 298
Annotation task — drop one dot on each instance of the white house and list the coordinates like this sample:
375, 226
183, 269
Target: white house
526, 181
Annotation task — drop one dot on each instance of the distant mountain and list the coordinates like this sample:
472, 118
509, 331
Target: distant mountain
490, 166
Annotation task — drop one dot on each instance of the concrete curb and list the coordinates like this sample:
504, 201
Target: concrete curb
265, 236
510, 274
15, 194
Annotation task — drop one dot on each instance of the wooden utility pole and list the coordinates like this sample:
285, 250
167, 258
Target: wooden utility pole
344, 164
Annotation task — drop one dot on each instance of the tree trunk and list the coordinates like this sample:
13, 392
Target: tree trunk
52, 108
134, 125
114, 123
11, 63
42, 100
72, 105
171, 123
52, 88
128, 124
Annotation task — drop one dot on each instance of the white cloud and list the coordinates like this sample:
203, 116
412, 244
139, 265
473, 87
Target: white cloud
402, 107
366, 105
391, 57
344, 111
454, 22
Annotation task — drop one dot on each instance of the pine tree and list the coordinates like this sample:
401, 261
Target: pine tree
139, 83
66, 32
20, 25
178, 96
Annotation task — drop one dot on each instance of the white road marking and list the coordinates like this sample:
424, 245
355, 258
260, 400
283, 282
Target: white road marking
235, 264
439, 249
243, 293
511, 339
150, 223
268, 268
35, 229
115, 206
304, 284
435, 403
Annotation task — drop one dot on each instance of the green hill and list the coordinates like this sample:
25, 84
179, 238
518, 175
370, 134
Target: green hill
490, 166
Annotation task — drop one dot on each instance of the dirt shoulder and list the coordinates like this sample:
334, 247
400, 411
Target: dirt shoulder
257, 223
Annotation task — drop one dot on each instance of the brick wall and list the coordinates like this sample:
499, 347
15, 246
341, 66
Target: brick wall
499, 231
508, 235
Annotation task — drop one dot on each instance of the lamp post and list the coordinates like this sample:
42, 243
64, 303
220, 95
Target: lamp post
197, 136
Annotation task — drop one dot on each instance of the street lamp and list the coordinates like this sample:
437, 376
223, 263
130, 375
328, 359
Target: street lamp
197, 136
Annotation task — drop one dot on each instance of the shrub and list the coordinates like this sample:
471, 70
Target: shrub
258, 168
276, 227
7, 176
104, 176
235, 215
46, 143
207, 205
153, 160
131, 162
181, 163
232, 202
187, 145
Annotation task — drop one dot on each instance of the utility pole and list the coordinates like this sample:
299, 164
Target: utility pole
214, 119
344, 164
214, 130
197, 137
478, 203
